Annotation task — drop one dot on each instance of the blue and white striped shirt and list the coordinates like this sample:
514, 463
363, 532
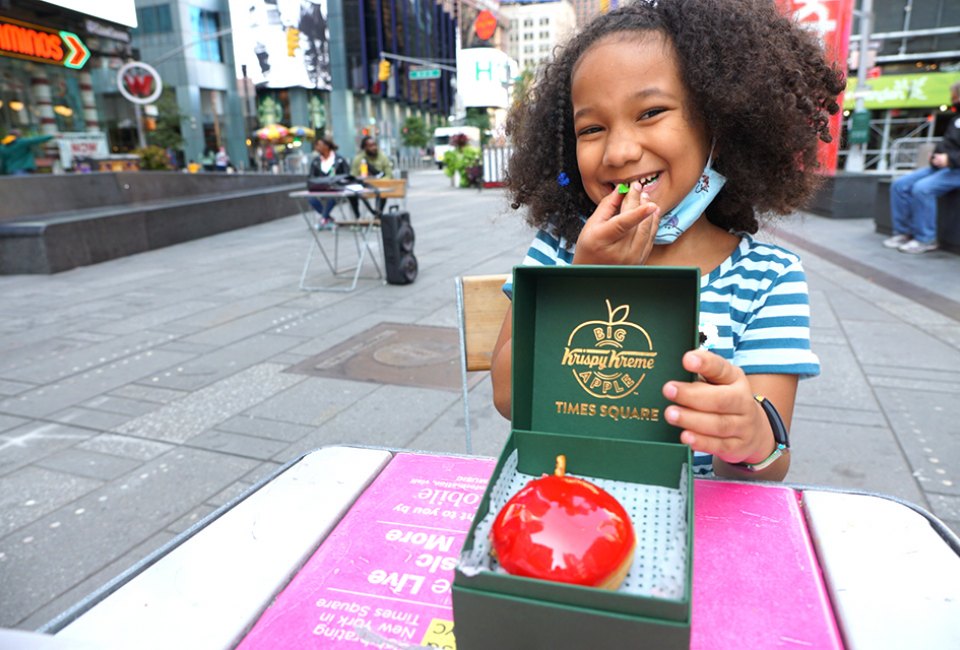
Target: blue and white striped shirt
756, 302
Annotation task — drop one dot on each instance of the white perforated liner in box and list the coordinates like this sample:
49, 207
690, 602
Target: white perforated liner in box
659, 517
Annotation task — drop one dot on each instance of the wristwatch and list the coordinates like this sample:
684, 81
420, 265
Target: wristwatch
779, 436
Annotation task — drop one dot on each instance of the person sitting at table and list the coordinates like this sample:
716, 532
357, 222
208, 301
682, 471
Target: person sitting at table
326, 162
371, 163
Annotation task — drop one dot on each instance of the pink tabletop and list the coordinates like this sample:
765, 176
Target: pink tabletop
384, 574
756, 579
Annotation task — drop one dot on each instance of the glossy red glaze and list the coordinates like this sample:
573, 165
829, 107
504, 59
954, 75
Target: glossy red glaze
564, 529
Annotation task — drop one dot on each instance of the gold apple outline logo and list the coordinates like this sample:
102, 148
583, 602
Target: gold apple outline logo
603, 354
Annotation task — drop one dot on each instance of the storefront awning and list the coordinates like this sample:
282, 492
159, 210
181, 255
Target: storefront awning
928, 90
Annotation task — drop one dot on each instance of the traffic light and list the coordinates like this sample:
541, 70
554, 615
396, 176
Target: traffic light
384, 73
293, 41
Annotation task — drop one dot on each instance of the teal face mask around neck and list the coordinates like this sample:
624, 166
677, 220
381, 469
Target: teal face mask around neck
675, 223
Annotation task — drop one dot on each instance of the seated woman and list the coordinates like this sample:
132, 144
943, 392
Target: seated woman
326, 162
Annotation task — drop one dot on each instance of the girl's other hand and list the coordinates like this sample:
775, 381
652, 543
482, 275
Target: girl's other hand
620, 231
719, 415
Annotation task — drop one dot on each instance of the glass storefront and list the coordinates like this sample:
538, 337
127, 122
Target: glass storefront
48, 65
23, 90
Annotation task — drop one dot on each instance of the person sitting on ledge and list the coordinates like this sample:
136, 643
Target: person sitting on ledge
913, 198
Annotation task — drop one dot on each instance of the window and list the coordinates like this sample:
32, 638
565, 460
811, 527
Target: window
204, 24
528, 36
544, 21
545, 35
154, 20
528, 22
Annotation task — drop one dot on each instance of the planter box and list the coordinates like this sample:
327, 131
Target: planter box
592, 347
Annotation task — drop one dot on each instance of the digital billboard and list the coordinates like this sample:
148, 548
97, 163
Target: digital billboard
284, 44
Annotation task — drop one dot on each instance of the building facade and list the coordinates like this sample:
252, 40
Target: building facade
53, 62
914, 57
535, 28
343, 67
588, 9
189, 45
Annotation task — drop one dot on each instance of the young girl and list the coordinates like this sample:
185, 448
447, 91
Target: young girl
709, 111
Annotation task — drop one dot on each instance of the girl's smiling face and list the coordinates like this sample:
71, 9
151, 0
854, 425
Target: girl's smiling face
632, 120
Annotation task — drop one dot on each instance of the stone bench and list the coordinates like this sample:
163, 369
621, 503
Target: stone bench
846, 195
948, 216
52, 224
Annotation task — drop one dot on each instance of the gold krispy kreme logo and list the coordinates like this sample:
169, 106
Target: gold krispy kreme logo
609, 358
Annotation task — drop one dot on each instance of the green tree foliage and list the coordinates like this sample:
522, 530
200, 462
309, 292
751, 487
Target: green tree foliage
415, 132
153, 157
480, 118
167, 133
464, 161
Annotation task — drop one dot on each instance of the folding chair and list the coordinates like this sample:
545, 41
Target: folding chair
481, 306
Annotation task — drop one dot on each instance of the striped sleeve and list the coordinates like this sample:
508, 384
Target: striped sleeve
776, 338
547, 249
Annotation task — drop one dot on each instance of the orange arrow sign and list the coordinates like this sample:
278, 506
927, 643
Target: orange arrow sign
77, 53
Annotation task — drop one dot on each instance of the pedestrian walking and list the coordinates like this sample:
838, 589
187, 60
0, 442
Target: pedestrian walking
221, 160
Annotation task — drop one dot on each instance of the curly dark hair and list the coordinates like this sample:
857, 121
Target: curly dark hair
758, 81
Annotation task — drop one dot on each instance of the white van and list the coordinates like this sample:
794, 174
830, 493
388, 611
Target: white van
441, 140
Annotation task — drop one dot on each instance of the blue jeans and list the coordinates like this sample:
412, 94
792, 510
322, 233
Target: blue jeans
913, 201
323, 206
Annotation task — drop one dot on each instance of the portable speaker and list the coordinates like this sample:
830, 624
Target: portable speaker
398, 240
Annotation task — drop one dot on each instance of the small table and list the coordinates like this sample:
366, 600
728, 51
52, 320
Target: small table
361, 229
774, 565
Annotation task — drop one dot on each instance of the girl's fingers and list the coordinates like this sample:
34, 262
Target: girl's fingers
716, 425
719, 447
712, 367
608, 207
628, 220
634, 198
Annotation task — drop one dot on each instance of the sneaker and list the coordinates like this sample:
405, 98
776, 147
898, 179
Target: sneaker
896, 241
915, 247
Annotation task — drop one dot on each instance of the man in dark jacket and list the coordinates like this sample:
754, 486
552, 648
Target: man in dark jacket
913, 198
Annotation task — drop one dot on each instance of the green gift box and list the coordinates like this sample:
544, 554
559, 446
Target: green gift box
592, 348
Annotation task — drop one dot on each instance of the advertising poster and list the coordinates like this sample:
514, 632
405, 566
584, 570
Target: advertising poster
383, 577
284, 44
831, 20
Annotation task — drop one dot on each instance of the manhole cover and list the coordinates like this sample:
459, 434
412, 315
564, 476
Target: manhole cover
394, 353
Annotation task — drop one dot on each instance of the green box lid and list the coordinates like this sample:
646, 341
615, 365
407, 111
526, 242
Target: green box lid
594, 345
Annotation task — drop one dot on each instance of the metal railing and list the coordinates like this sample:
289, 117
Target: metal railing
910, 153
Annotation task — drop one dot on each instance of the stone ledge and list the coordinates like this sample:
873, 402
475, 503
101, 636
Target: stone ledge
58, 241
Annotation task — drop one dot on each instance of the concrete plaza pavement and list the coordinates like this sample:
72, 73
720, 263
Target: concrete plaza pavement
140, 394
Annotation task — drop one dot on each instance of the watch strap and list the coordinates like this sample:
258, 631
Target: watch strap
780, 436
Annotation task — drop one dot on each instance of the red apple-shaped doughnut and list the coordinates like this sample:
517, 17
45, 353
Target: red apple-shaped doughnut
564, 529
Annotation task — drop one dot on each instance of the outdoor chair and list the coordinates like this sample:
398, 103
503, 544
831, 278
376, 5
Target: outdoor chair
481, 306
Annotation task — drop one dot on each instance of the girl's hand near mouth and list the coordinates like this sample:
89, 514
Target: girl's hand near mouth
621, 230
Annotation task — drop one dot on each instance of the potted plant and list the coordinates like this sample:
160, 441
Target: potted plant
462, 163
